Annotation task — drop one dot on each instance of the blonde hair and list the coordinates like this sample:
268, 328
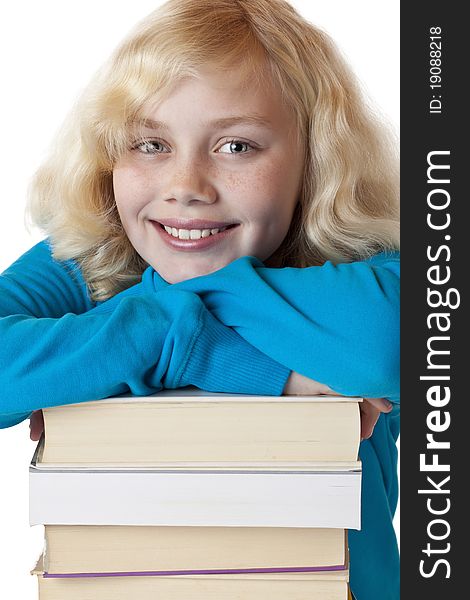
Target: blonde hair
348, 204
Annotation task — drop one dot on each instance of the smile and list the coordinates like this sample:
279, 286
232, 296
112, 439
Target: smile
193, 234
193, 239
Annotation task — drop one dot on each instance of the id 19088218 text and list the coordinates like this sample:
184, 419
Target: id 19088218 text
435, 70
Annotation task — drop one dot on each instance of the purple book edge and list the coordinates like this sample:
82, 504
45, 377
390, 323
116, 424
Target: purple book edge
198, 572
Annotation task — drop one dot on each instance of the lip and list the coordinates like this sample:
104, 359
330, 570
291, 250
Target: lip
193, 245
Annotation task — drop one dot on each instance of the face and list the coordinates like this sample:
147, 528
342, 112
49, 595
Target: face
215, 176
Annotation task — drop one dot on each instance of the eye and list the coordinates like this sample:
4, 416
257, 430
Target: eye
236, 147
149, 147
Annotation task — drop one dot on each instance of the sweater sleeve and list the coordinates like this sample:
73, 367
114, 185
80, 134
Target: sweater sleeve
337, 324
58, 348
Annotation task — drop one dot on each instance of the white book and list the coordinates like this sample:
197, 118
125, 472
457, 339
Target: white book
196, 498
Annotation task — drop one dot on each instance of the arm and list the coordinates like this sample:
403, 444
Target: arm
336, 324
59, 349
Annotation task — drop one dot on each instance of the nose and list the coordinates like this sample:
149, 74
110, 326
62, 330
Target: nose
190, 182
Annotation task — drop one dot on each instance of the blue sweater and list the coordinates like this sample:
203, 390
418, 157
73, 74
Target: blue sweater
241, 329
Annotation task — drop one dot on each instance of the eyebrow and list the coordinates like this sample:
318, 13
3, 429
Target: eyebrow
216, 123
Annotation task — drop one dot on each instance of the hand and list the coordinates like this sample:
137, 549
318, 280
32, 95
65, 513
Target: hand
370, 412
370, 407
299, 385
36, 425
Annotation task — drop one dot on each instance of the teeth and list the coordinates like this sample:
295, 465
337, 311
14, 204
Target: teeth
192, 234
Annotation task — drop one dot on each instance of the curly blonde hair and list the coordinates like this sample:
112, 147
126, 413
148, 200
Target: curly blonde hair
348, 206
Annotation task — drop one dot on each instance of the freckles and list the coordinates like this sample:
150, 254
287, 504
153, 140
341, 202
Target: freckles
258, 180
233, 181
268, 183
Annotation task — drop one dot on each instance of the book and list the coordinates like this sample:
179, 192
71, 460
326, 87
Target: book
191, 494
190, 428
271, 586
328, 498
118, 550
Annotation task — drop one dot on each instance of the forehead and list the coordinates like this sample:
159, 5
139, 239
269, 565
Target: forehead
213, 93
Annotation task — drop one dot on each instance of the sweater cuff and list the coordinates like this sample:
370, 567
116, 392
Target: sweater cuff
10, 419
222, 361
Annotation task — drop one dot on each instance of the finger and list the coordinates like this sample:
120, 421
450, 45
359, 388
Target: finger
367, 427
381, 404
34, 434
369, 418
36, 425
31, 427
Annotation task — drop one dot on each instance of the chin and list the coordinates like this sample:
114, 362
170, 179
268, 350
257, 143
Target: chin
183, 275
192, 271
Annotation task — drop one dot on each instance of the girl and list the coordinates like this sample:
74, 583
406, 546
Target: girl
221, 211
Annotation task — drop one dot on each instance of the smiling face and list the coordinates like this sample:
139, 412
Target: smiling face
215, 176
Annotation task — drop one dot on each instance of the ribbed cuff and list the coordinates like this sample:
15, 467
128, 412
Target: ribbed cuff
222, 361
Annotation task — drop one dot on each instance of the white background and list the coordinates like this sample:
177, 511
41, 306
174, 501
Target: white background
48, 51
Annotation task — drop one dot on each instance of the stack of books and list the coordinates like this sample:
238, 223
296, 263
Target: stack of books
188, 494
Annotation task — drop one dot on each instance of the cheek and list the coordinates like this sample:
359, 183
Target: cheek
120, 187
272, 195
128, 193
